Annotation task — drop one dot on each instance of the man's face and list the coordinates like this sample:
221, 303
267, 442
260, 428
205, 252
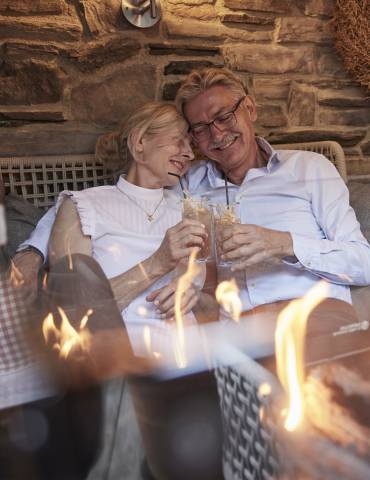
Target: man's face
232, 145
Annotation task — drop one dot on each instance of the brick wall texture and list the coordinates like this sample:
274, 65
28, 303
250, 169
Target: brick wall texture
72, 69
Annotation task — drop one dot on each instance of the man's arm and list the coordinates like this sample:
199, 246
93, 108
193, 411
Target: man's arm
39, 237
343, 257
32, 253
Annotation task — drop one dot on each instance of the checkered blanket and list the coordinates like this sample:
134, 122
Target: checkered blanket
14, 349
23, 374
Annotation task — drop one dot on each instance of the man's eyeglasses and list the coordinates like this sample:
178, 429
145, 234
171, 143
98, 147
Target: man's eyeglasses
200, 131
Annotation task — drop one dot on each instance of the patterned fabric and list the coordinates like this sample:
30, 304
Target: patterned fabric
24, 374
14, 351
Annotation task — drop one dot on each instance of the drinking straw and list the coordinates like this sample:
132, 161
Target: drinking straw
181, 184
227, 192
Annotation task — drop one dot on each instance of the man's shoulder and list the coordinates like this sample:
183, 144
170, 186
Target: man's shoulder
303, 161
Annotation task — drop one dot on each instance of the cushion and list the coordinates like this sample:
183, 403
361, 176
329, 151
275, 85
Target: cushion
21, 219
360, 202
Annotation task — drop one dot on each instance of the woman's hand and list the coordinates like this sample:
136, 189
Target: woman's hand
178, 244
164, 298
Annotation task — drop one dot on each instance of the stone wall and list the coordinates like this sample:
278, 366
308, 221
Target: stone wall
71, 69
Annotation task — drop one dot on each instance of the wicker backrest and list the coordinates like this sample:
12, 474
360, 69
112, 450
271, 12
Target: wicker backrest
330, 149
40, 179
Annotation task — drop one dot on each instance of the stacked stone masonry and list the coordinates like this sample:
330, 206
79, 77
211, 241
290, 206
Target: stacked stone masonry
72, 69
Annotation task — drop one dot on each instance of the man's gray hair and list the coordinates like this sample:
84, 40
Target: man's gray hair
199, 81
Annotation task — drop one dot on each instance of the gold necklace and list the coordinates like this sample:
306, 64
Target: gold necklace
149, 216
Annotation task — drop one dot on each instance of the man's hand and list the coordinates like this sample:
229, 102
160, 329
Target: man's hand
164, 298
178, 244
28, 264
247, 245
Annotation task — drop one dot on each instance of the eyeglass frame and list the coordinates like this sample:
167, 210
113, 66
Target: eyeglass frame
229, 114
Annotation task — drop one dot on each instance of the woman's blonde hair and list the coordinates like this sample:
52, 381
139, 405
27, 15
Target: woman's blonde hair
115, 149
199, 81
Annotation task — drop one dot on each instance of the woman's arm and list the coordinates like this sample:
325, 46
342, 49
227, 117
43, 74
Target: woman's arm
197, 293
66, 235
176, 246
67, 238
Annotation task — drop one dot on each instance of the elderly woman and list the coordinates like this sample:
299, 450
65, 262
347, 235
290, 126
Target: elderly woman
134, 229
135, 232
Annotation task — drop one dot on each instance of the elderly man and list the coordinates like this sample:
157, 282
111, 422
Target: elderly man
296, 223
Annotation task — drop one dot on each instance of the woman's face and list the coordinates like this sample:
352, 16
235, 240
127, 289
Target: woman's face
168, 152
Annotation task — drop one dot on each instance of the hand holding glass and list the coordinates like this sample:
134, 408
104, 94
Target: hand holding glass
201, 211
225, 215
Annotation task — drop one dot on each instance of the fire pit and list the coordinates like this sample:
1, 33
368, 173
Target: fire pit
320, 428
330, 443
249, 446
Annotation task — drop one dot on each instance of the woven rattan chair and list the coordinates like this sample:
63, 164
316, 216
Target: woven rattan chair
249, 448
40, 179
330, 149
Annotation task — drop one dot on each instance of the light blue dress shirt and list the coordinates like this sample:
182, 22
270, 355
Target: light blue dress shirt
302, 193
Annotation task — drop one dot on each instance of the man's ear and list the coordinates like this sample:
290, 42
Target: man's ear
250, 105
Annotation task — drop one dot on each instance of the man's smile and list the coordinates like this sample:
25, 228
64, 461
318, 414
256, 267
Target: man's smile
226, 143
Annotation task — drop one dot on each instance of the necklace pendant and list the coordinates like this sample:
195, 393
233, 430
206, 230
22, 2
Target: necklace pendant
150, 218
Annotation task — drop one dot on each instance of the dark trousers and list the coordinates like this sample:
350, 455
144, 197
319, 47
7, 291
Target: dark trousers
59, 438
180, 422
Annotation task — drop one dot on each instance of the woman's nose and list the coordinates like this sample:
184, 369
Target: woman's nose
186, 150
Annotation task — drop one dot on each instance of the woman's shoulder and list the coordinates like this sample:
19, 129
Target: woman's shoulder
96, 192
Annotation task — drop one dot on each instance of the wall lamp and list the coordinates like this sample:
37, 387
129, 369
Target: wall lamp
142, 13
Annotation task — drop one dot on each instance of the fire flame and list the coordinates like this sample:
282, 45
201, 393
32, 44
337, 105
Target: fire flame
183, 284
227, 295
66, 337
16, 277
289, 347
147, 339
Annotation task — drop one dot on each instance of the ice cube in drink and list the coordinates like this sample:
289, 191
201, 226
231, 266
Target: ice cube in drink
201, 211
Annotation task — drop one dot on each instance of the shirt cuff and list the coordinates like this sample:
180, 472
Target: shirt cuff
31, 248
39, 245
307, 256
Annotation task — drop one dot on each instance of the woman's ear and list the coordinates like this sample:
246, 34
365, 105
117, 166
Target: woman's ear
137, 146
250, 105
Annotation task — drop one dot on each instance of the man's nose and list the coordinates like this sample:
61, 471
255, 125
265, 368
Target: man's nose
216, 133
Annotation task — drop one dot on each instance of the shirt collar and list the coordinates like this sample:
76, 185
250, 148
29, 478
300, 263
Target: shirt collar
216, 177
133, 190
